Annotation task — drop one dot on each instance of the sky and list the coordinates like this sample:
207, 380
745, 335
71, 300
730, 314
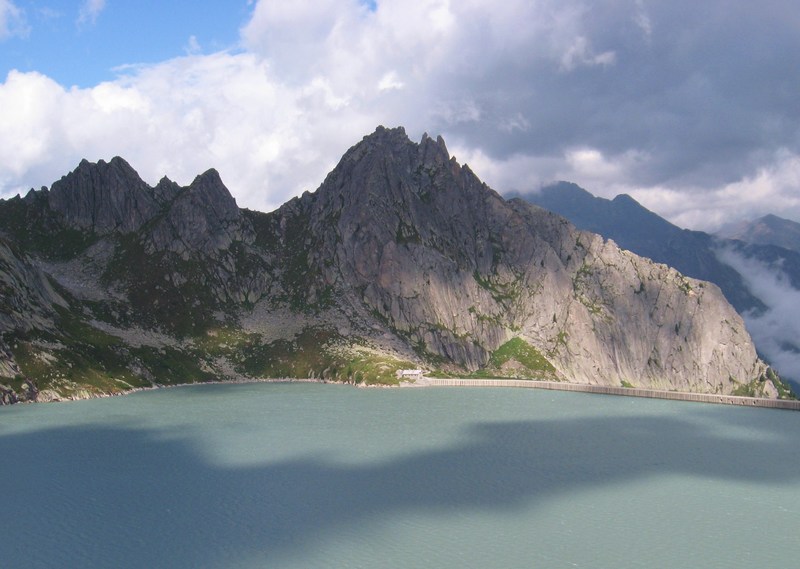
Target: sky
691, 108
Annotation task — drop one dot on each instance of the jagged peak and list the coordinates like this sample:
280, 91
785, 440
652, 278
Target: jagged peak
166, 190
102, 197
381, 132
211, 183
100, 175
210, 176
116, 165
209, 189
389, 154
434, 151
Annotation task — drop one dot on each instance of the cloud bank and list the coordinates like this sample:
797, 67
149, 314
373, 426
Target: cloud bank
690, 108
776, 331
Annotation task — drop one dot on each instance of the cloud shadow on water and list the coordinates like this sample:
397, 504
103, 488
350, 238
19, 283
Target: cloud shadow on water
128, 498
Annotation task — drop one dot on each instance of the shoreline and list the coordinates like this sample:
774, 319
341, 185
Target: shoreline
424, 382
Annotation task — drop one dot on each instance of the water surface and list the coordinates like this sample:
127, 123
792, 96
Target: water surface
307, 475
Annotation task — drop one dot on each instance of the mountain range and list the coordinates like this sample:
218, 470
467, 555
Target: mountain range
402, 258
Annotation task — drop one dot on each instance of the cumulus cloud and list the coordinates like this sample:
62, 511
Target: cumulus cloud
180, 118
90, 10
776, 330
687, 107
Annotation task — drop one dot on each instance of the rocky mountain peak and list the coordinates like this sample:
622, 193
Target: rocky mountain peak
166, 190
434, 151
201, 217
387, 187
103, 197
210, 194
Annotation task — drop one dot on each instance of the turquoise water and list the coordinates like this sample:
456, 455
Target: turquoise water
307, 475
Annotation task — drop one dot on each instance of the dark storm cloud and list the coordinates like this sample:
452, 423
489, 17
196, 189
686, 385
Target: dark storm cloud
706, 90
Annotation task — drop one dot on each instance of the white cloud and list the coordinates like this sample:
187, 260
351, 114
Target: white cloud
12, 21
590, 162
269, 141
390, 81
772, 189
90, 10
580, 53
193, 46
781, 320
642, 19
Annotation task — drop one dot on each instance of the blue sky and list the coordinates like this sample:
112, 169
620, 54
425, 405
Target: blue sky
689, 107
74, 45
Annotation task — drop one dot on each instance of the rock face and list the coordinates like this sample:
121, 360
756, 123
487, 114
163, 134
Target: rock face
402, 258
449, 264
203, 217
694, 253
638, 229
103, 198
27, 298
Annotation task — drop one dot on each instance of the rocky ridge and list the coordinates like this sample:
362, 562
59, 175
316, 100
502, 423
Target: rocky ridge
401, 258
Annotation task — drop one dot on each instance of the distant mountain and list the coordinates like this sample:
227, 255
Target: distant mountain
402, 258
767, 230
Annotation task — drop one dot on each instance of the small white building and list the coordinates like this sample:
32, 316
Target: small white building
410, 374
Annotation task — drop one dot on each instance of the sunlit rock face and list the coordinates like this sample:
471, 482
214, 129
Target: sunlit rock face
444, 260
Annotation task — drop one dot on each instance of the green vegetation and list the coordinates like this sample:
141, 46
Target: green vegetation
517, 359
96, 363
784, 389
684, 285
82, 358
313, 353
757, 387
163, 283
35, 230
748, 389
407, 234
504, 293
627, 384
560, 342
173, 366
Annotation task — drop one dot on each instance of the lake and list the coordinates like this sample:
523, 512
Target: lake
311, 475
